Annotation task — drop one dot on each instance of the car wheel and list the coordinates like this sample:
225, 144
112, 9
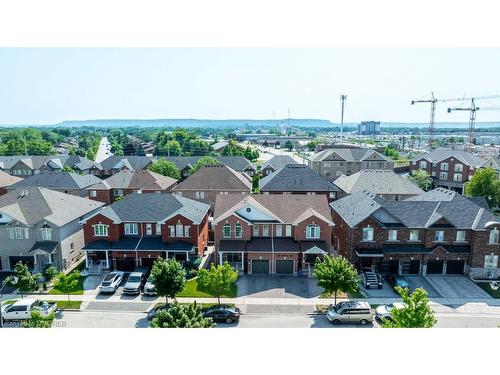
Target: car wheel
229, 320
336, 322
363, 322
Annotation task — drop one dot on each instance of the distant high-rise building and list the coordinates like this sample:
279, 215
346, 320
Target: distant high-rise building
371, 128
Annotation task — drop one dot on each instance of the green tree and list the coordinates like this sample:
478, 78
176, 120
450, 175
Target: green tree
416, 313
289, 145
422, 179
15, 147
68, 169
336, 274
218, 280
171, 148
484, 183
169, 277
39, 147
311, 146
181, 316
37, 320
255, 183
197, 147
205, 160
232, 149
23, 279
67, 283
165, 168
392, 153
49, 272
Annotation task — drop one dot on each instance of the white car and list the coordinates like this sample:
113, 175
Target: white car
111, 282
21, 310
385, 311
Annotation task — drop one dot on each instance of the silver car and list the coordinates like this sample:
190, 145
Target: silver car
350, 312
149, 287
111, 282
134, 283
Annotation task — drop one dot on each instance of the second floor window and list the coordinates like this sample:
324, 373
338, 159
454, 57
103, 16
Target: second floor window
312, 231
149, 229
413, 235
93, 193
288, 231
459, 167
158, 229
439, 236
131, 228
256, 230
186, 230
444, 166
367, 234
200, 195
491, 261
118, 192
46, 233
18, 233
279, 230
494, 236
179, 230
423, 164
100, 230
265, 230
393, 235
171, 230
227, 230
237, 231
460, 236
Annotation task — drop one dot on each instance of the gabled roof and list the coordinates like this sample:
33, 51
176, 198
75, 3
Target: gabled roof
378, 182
288, 208
28, 205
135, 163
238, 163
440, 154
154, 208
7, 180
139, 180
278, 162
296, 177
58, 180
491, 163
51, 161
215, 177
357, 207
347, 154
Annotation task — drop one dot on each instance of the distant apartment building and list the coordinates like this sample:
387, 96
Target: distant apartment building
335, 162
370, 128
448, 168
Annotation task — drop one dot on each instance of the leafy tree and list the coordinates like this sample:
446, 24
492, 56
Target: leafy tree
289, 145
39, 147
392, 153
196, 147
68, 169
49, 272
336, 274
165, 168
248, 154
15, 147
90, 154
416, 313
255, 183
26, 281
232, 149
67, 283
218, 280
205, 160
422, 179
169, 277
311, 146
171, 148
484, 183
37, 320
181, 316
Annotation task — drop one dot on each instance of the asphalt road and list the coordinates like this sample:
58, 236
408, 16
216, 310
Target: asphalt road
108, 319
104, 150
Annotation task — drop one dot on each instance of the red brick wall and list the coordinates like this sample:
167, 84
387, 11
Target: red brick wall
198, 239
115, 231
246, 234
436, 168
299, 231
102, 196
482, 247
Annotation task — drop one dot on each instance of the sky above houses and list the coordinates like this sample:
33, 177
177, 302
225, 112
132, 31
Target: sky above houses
47, 86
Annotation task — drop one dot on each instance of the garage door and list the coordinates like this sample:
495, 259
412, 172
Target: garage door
435, 267
127, 264
455, 267
284, 267
260, 267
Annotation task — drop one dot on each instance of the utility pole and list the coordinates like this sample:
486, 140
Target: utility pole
343, 98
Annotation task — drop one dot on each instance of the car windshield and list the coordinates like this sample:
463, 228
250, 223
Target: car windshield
106, 283
134, 279
110, 277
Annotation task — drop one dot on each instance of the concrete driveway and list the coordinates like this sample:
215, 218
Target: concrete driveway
456, 286
266, 286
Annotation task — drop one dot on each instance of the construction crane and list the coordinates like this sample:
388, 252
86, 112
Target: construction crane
433, 102
473, 108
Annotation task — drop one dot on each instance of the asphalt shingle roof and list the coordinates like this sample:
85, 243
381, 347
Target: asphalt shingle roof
296, 177
440, 154
139, 180
278, 162
58, 180
347, 154
215, 177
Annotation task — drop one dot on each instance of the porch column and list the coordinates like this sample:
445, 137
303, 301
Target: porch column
107, 259
86, 259
243, 261
187, 256
445, 266
220, 258
400, 267
424, 269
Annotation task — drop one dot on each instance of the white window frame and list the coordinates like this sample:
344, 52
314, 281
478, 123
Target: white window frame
200, 195
416, 237
19, 233
238, 230
313, 231
186, 230
101, 230
439, 235
392, 235
422, 164
158, 229
494, 236
131, 229
93, 193
444, 166
459, 237
226, 234
443, 175
255, 230
179, 230
265, 230
459, 167
368, 234
457, 177
288, 230
491, 261
149, 229
171, 230
118, 192
279, 230
46, 233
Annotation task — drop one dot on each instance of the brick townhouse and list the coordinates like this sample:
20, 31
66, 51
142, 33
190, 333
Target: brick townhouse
438, 232
272, 234
134, 231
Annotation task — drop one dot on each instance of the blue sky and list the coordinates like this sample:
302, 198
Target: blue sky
42, 85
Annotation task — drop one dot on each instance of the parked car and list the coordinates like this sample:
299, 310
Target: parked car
111, 282
22, 309
134, 283
385, 311
155, 310
225, 314
350, 312
396, 280
149, 287
372, 280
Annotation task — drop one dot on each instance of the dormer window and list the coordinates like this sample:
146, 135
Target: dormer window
368, 233
494, 234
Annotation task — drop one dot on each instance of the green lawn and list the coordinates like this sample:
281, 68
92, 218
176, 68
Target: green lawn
78, 289
191, 290
487, 288
8, 301
64, 305
343, 295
